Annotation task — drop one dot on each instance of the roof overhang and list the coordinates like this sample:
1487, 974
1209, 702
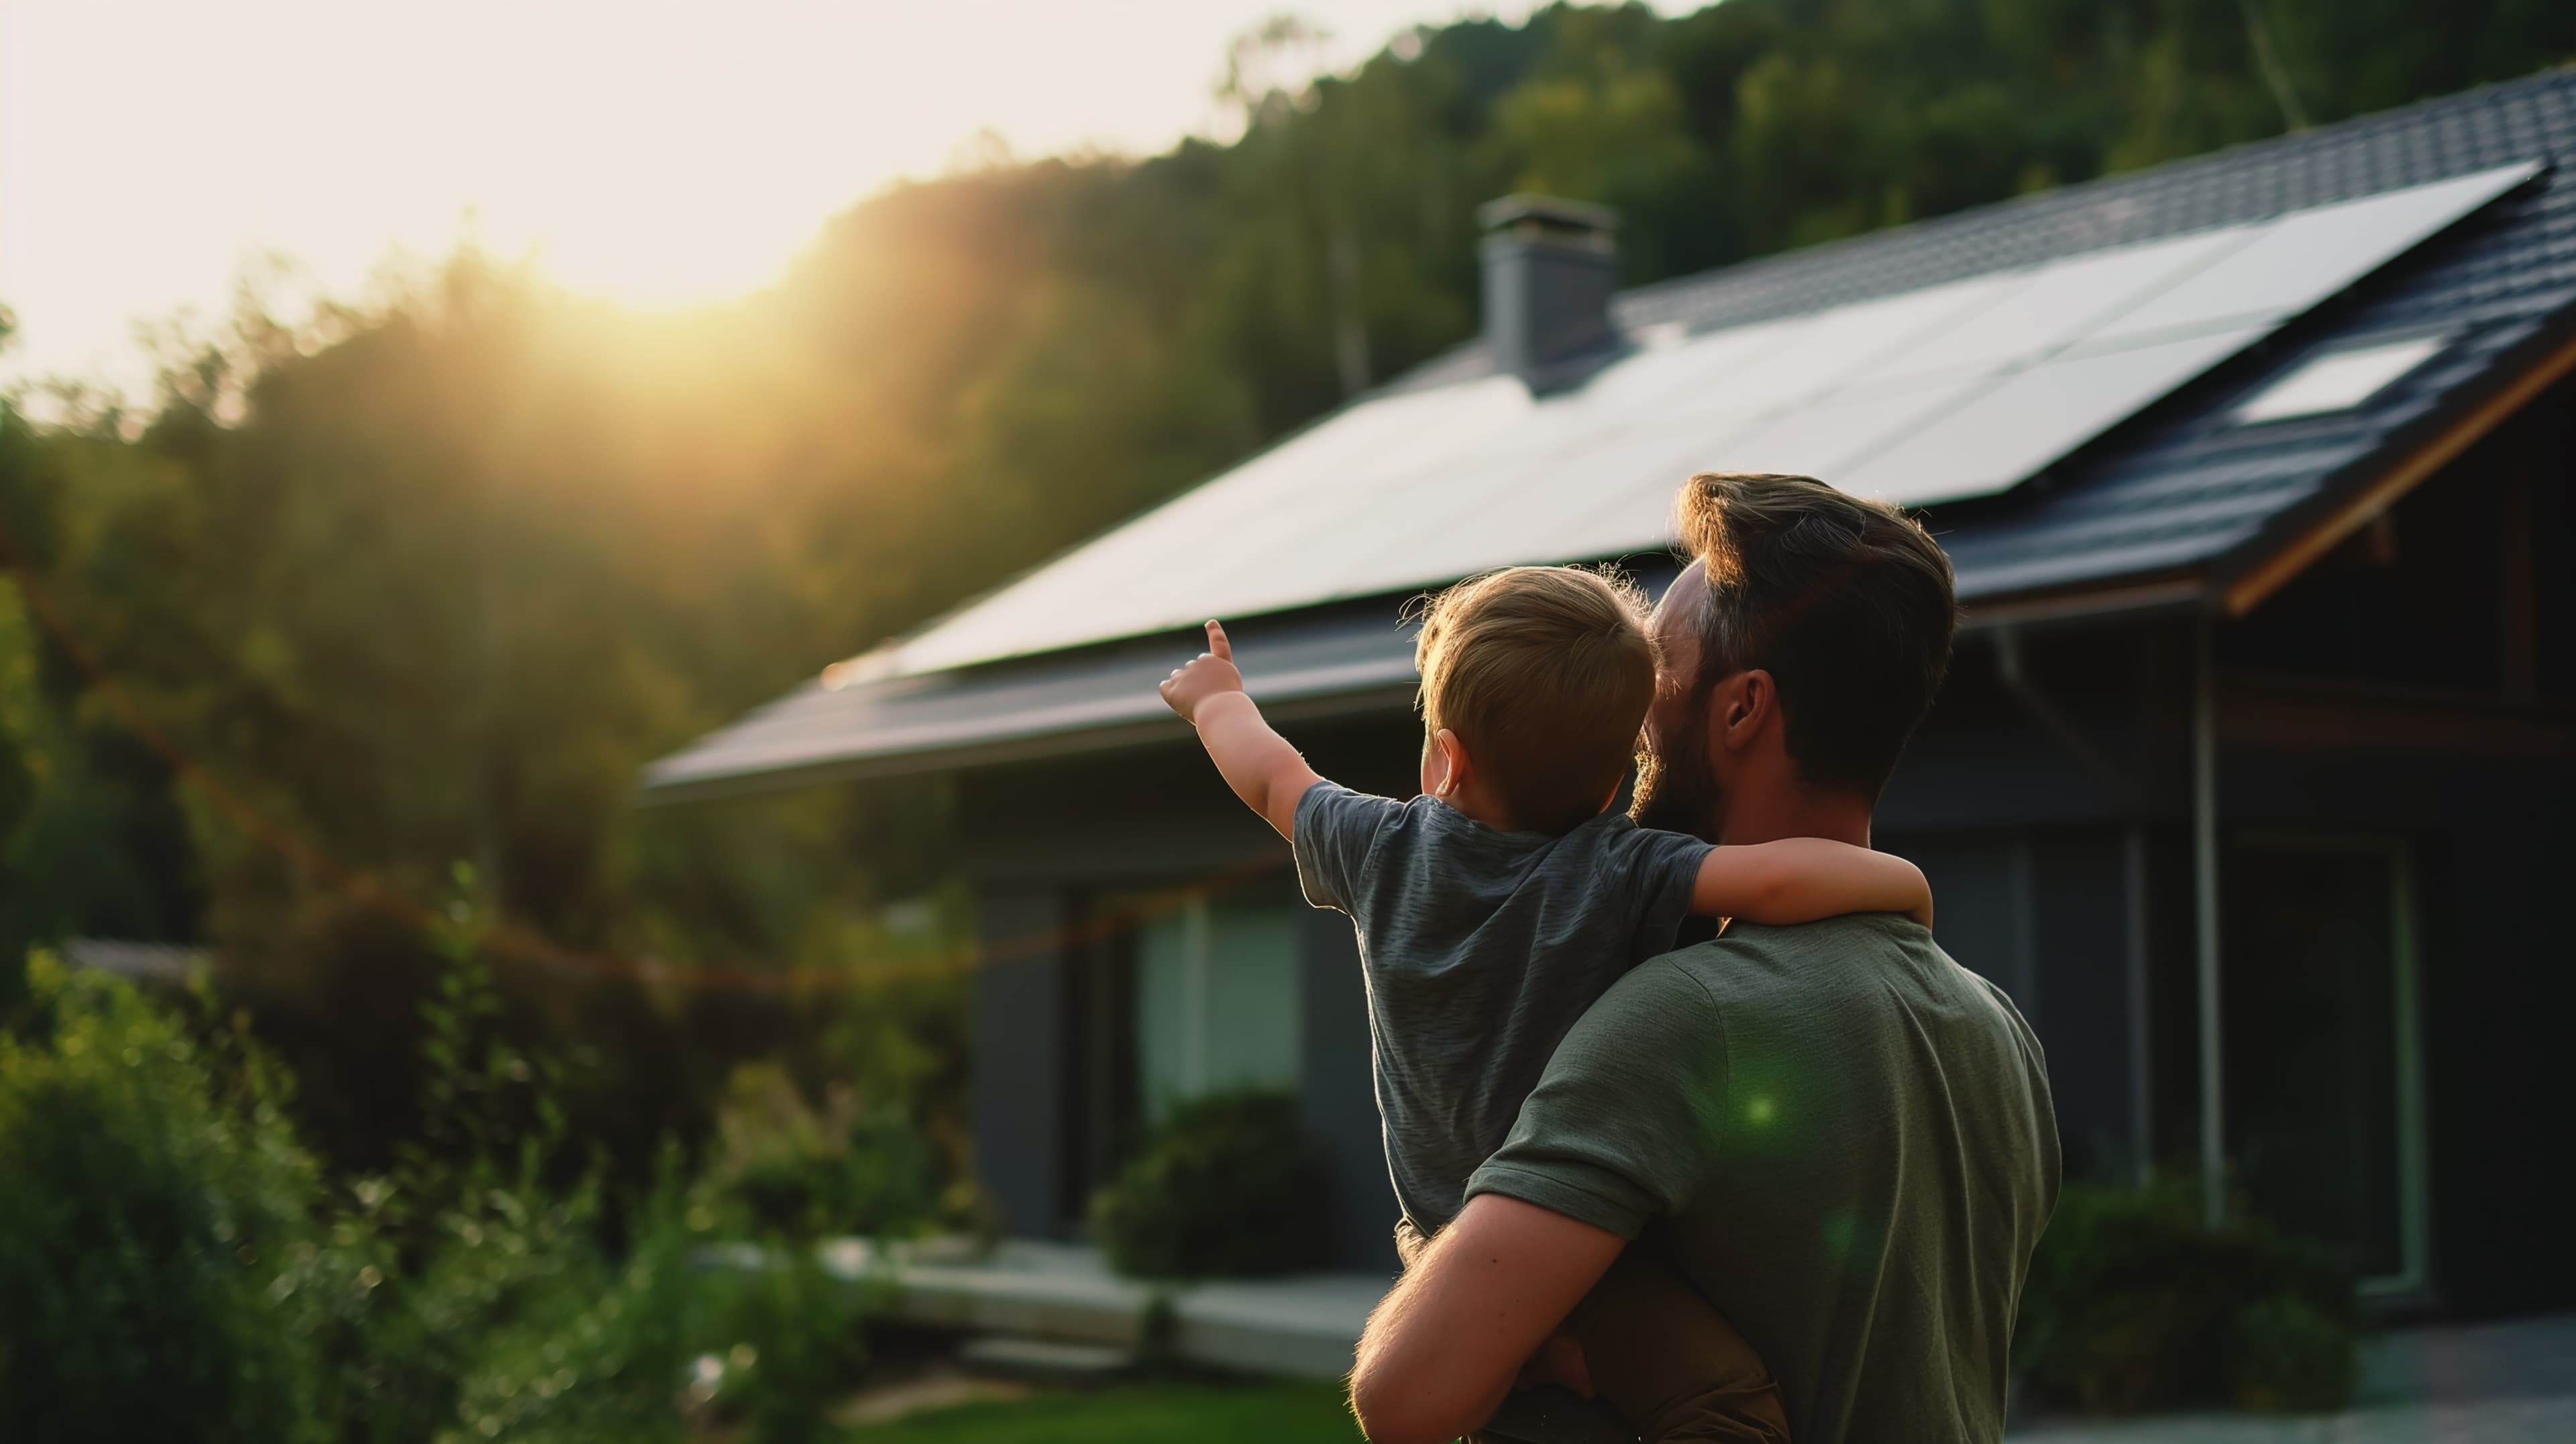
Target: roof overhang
2299, 538
1302, 667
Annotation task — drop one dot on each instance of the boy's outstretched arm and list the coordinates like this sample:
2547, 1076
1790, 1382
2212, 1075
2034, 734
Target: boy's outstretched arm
1256, 762
1801, 879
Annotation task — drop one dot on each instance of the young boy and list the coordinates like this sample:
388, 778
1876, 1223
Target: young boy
1496, 906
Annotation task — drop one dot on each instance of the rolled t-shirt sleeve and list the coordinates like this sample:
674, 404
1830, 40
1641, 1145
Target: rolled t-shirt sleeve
1665, 868
1334, 832
1626, 1122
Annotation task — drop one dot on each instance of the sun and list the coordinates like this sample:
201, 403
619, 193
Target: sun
674, 209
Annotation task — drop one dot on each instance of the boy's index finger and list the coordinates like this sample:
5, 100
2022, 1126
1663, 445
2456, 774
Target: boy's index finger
1217, 642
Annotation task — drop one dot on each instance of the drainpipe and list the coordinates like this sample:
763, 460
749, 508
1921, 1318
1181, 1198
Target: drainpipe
2014, 673
2204, 870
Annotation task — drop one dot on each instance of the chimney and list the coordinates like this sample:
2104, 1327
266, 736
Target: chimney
1550, 266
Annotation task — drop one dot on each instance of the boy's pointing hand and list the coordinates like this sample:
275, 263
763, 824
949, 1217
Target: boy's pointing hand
1211, 674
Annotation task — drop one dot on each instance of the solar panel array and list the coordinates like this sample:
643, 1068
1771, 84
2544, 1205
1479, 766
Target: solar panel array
1941, 394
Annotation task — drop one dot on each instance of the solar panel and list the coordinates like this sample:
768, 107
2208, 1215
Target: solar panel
2052, 304
1848, 340
2029, 419
2307, 256
1948, 392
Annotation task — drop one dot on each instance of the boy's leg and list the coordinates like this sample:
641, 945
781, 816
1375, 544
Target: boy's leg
1668, 1362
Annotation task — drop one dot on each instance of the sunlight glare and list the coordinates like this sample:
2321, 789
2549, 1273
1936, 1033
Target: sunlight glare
678, 208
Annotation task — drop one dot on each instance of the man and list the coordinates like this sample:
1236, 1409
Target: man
1838, 1135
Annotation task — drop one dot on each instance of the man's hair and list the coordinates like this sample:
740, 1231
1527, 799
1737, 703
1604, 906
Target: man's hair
1545, 674
1847, 603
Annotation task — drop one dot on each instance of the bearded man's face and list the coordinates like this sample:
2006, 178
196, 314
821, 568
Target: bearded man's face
1676, 790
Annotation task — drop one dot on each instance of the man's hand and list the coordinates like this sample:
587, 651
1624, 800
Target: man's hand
1211, 674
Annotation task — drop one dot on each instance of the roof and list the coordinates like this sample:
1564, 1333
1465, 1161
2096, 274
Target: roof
2175, 501
1319, 663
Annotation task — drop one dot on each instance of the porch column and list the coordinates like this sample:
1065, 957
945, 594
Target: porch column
1019, 1043
2204, 869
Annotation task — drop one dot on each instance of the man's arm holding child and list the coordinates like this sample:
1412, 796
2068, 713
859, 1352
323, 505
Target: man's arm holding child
1443, 1348
1266, 772
1801, 879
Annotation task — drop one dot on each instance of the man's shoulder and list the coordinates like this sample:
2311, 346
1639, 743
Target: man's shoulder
1750, 960
1661, 1000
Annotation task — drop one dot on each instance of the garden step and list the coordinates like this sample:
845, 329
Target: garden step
1304, 1326
1049, 1359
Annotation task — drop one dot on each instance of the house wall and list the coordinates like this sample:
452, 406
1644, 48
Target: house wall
2024, 838
2419, 685
1045, 840
2496, 986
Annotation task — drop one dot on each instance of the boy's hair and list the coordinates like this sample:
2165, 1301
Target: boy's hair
1847, 603
1545, 674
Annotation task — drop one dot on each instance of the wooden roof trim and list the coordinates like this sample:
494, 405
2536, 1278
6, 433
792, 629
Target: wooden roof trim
2367, 504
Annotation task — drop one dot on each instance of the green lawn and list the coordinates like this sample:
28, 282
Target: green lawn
1137, 1414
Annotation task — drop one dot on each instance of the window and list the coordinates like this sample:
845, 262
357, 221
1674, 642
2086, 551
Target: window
2324, 1077
1218, 999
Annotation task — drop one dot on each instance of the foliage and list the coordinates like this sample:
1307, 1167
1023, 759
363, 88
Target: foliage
2134, 1303
766, 1342
155, 1246
506, 1314
1231, 1185
843, 1168
178, 1266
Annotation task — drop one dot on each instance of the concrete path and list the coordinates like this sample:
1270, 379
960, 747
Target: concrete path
2501, 1383
1304, 1326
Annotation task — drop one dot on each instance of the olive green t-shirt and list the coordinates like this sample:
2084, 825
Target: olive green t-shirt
1839, 1136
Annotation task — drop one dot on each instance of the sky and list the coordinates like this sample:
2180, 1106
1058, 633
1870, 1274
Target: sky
663, 154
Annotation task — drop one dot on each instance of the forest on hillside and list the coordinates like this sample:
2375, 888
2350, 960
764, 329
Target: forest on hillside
371, 616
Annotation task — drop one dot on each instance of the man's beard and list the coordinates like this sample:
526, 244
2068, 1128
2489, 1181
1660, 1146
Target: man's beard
1678, 793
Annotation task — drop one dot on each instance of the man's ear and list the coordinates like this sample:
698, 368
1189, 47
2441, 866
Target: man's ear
1742, 706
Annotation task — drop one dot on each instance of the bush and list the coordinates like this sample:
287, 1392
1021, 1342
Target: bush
768, 1345
156, 1252
1232, 1185
2134, 1303
506, 1315
808, 1172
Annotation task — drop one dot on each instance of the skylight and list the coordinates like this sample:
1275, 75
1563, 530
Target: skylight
2339, 380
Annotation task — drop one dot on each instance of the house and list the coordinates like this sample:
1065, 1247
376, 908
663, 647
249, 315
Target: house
2247, 782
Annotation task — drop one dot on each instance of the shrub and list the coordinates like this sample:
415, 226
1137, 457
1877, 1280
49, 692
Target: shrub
1230, 1185
2134, 1303
173, 1266
768, 1344
154, 1228
808, 1172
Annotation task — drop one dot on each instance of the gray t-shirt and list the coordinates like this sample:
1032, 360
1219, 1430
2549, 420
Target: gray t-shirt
1840, 1137
1479, 949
